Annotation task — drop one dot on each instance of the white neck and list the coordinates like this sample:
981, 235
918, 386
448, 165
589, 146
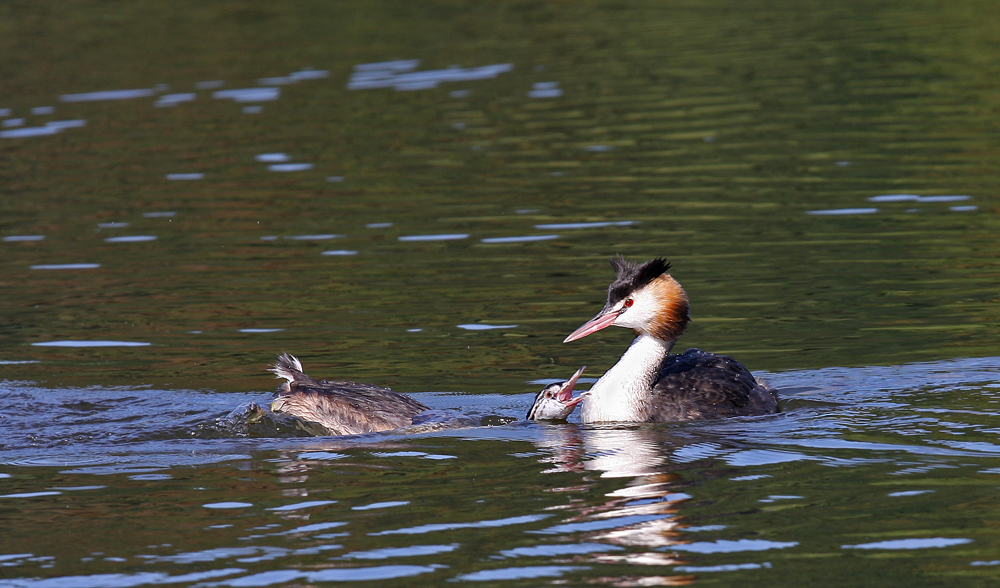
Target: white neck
623, 392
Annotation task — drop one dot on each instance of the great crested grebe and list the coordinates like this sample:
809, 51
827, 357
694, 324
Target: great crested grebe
343, 408
555, 402
650, 385
353, 408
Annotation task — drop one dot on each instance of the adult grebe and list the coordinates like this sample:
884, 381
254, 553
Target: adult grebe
555, 402
343, 408
650, 385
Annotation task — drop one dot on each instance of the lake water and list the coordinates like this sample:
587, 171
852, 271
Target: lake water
425, 196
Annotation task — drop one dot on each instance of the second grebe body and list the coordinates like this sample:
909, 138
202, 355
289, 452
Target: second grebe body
353, 408
342, 408
648, 384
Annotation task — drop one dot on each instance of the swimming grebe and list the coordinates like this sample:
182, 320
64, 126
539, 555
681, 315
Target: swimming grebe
343, 408
555, 402
650, 385
352, 408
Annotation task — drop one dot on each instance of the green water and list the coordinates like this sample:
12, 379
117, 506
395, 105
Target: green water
710, 133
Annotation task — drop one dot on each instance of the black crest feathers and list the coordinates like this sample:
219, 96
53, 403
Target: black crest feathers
633, 276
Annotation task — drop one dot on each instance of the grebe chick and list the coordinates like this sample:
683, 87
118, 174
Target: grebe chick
650, 385
342, 408
555, 402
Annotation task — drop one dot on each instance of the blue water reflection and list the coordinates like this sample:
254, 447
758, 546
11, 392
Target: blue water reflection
842, 211
923, 543
916, 198
131, 239
553, 550
50, 128
302, 505
545, 90
248, 94
109, 95
486, 524
377, 505
723, 568
522, 573
400, 75
410, 551
440, 237
524, 239
592, 225
167, 100
290, 167
273, 157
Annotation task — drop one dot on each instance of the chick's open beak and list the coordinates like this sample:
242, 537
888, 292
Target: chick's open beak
566, 394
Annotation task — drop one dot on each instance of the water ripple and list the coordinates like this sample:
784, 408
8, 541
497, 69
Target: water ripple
728, 546
273, 577
302, 505
523, 573
924, 543
521, 520
441, 237
411, 551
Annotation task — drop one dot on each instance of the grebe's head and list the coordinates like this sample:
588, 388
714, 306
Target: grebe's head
555, 402
643, 298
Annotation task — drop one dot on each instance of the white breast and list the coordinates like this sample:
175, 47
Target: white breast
623, 391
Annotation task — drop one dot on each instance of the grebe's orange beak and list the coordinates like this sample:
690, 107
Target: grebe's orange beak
601, 321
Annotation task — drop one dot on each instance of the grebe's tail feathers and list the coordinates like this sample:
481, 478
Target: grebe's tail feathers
288, 368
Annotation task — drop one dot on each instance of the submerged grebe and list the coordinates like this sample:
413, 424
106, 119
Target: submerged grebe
352, 408
650, 385
555, 402
343, 408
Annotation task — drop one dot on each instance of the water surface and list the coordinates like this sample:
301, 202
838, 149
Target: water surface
426, 197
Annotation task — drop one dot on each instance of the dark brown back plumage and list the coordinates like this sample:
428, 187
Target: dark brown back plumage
701, 385
343, 408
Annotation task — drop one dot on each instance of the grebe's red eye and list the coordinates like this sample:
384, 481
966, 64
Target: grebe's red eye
628, 302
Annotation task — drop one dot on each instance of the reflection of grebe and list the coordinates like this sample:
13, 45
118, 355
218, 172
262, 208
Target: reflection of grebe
353, 408
650, 385
642, 509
